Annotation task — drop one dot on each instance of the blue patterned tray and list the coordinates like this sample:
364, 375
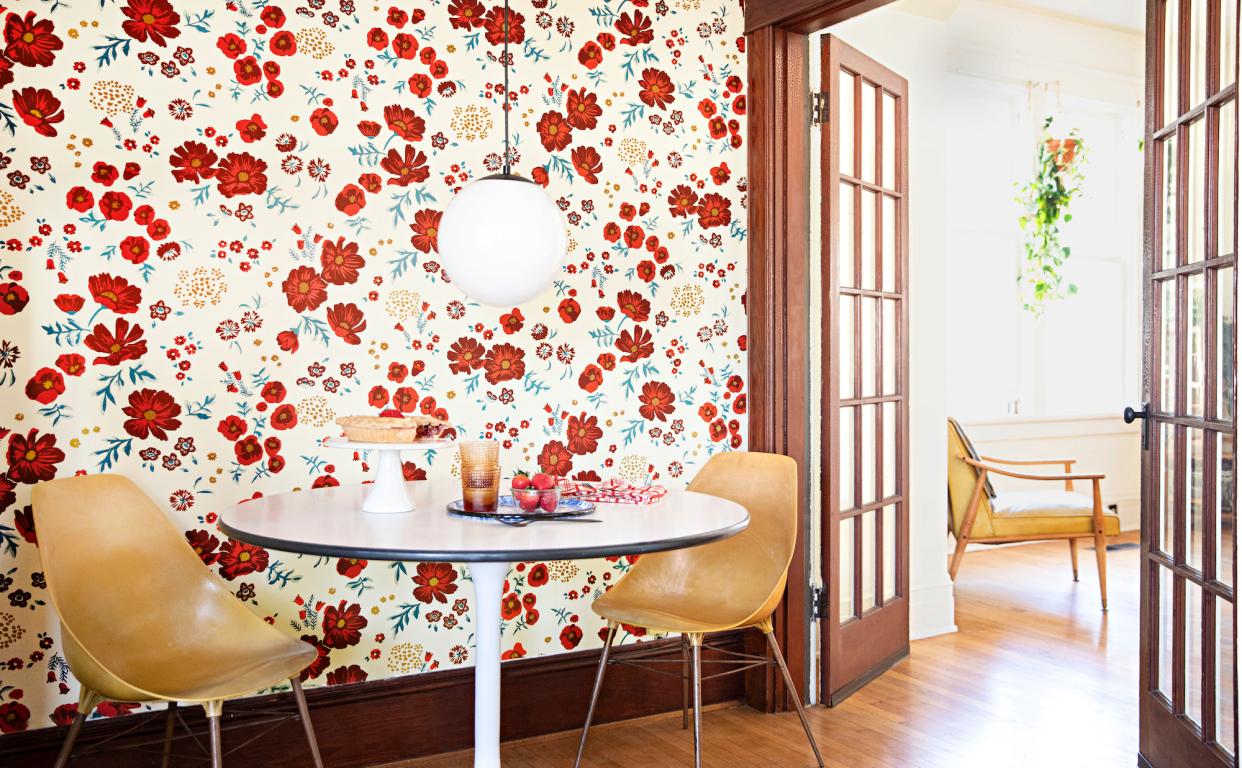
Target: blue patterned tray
567, 508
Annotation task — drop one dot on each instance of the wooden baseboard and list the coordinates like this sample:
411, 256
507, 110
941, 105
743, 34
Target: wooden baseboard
1142, 761
871, 674
408, 717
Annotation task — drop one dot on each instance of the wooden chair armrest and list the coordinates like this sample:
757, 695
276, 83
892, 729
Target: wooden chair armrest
1058, 478
1028, 462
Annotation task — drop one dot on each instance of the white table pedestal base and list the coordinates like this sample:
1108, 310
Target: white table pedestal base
489, 583
388, 492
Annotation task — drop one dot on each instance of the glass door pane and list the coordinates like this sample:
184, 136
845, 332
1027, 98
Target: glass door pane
846, 569
1196, 223
867, 448
1198, 51
1224, 178
868, 560
1164, 634
847, 459
1194, 487
1168, 345
867, 135
890, 142
1165, 500
1194, 652
1228, 43
890, 552
1170, 62
890, 245
1224, 506
867, 335
867, 239
845, 236
846, 338
890, 351
845, 126
1223, 648
1224, 344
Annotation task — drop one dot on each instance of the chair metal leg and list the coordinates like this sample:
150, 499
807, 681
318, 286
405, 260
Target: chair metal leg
696, 647
217, 750
74, 729
599, 682
1074, 556
170, 727
793, 693
685, 682
300, 698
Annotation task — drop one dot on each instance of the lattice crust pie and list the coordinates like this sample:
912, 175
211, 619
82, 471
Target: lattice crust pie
392, 429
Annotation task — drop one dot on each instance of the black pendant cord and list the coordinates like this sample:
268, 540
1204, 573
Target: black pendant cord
506, 102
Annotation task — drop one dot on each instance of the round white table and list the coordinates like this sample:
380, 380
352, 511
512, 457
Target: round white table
330, 522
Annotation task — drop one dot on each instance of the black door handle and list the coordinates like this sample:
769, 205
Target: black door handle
1129, 414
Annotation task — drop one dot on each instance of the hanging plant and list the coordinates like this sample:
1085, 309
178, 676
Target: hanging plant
1046, 198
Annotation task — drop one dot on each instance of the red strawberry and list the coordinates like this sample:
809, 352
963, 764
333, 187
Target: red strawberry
519, 482
527, 501
548, 500
543, 481
392, 413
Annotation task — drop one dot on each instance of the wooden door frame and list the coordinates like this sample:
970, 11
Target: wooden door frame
778, 287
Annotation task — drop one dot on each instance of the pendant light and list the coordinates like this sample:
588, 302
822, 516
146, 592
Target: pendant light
502, 239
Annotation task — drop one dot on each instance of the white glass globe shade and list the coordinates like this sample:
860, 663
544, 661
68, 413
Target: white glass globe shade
502, 241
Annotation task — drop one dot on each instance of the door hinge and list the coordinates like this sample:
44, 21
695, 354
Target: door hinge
819, 108
819, 608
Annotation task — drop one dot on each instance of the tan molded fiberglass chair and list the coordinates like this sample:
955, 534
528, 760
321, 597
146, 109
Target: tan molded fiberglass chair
728, 584
142, 619
979, 514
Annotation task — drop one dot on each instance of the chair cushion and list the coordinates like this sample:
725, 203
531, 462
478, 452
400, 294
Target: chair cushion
1042, 503
1044, 513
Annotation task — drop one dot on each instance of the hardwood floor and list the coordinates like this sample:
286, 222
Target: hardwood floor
1036, 675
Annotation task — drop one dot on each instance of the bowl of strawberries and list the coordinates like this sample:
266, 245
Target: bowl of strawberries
535, 493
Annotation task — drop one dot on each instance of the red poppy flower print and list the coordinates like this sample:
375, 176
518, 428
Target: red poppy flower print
323, 121
31, 43
554, 132
511, 322
717, 127
511, 607
377, 38
634, 306
655, 88
241, 174
232, 427
657, 401
283, 43
80, 199
241, 559
635, 345
739, 404
634, 31
152, 413
504, 363
605, 313
571, 636
115, 206
253, 129
115, 293
271, 70
707, 412
33, 459
592, 377
271, 446
273, 16
683, 201
193, 161
304, 290
540, 176
420, 85
39, 109
135, 249
351, 200
72, 364
248, 450
404, 122
342, 626
341, 262
646, 270
587, 163
316, 667
346, 321
634, 236
405, 399
714, 211
159, 229
231, 45
718, 430
204, 545
583, 434
275, 89
378, 396
466, 14
408, 168
496, 26
116, 346
466, 355
343, 675
288, 340
151, 20
426, 228
247, 71
590, 56
370, 182
569, 310
14, 716
516, 652
405, 46
434, 581
581, 109
555, 459
45, 386
284, 417
13, 298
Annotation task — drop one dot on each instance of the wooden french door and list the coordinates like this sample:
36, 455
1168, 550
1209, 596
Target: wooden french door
1189, 699
864, 208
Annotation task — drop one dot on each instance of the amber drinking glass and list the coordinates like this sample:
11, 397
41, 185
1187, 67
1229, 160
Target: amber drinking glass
480, 475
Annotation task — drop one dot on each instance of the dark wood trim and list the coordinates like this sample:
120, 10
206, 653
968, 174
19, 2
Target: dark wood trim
868, 676
405, 717
804, 16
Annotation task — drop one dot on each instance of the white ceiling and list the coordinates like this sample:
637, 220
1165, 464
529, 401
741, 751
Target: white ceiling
1122, 13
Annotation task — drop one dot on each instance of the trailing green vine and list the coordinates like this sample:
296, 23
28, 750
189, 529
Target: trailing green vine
1046, 198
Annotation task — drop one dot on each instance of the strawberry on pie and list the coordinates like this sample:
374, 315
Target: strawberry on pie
392, 426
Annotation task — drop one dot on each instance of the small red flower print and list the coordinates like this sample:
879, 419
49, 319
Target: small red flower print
248, 450
582, 434
718, 430
635, 345
408, 168
540, 176
707, 107
323, 121
592, 377
67, 302
316, 667
636, 31
657, 401
231, 45
33, 459
497, 27
343, 675
271, 446
378, 396
125, 343
284, 417
13, 298
271, 70
571, 636
511, 606
683, 201
14, 716
274, 392
273, 16
253, 129
516, 652
587, 163
115, 206
72, 364
739, 404
581, 109
115, 293
351, 200
405, 46
241, 174
342, 626
714, 211
720, 174
151, 20
288, 340
717, 127
38, 108
426, 228
31, 43
45, 386
283, 43
193, 161
411, 472
232, 427
304, 290
465, 355
135, 249
634, 236
404, 122
204, 545
405, 399
511, 322
240, 559
346, 321
434, 581
555, 459
707, 412
377, 39
247, 71
397, 372
656, 88
569, 310
341, 262
420, 85
80, 199
633, 305
504, 363
466, 14
152, 413
554, 132
537, 576
590, 55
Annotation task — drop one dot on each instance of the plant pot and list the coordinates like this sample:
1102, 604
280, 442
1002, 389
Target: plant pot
1065, 148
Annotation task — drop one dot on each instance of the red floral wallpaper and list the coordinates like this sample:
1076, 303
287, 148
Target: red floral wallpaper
219, 230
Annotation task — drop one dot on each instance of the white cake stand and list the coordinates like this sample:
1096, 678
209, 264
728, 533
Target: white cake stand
388, 493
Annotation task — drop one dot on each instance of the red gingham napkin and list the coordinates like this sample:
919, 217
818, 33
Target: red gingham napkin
614, 491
